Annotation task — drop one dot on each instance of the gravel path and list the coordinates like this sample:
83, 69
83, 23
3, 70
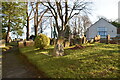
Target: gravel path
14, 65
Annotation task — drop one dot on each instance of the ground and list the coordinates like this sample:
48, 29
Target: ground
98, 60
14, 65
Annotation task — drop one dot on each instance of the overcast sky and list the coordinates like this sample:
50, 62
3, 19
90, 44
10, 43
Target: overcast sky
106, 8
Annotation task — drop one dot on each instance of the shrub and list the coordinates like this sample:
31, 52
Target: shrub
42, 41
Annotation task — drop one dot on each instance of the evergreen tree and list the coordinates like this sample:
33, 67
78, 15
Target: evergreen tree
13, 17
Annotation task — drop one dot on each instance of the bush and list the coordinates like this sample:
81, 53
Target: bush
42, 41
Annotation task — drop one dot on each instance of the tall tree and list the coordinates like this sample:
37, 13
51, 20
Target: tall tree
13, 16
38, 15
28, 19
63, 12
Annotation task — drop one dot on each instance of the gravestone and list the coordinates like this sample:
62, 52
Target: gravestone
86, 41
21, 44
52, 41
107, 39
83, 40
2, 43
92, 41
66, 44
95, 39
29, 43
59, 48
98, 38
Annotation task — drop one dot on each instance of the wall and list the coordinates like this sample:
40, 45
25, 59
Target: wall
92, 31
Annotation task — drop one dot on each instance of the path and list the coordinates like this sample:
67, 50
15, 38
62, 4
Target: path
15, 66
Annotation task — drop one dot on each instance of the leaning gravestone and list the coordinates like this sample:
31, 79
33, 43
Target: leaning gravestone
92, 41
2, 43
59, 48
107, 39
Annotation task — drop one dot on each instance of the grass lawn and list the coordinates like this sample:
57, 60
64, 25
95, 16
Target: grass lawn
98, 61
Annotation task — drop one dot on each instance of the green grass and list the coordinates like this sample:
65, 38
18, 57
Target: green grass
98, 61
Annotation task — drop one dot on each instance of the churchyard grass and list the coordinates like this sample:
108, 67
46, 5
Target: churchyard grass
99, 60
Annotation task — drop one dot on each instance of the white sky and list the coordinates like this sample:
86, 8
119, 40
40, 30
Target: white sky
106, 8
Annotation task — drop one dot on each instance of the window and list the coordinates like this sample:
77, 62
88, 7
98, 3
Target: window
102, 31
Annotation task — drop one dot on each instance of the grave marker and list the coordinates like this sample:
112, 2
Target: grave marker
107, 39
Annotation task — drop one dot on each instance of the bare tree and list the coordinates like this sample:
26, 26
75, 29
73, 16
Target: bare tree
28, 20
63, 12
86, 22
38, 15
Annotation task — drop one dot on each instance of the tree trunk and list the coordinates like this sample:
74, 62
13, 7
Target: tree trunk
27, 33
36, 20
41, 29
35, 24
36, 30
59, 47
8, 32
27, 27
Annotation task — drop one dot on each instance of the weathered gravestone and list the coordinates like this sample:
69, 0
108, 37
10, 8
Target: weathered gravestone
2, 43
97, 38
92, 41
21, 44
107, 39
66, 44
83, 40
86, 41
29, 43
59, 48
